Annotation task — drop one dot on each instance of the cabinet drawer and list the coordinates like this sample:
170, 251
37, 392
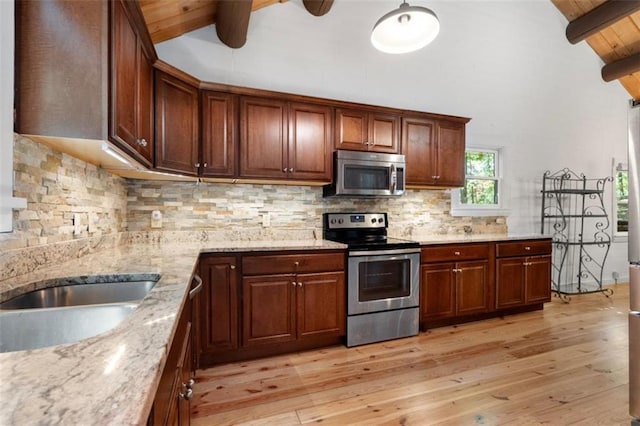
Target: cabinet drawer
523, 248
454, 252
292, 263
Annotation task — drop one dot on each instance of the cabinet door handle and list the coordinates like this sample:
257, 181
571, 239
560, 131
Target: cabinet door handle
189, 384
293, 283
233, 266
290, 169
142, 142
187, 395
197, 165
434, 177
300, 284
205, 165
197, 289
284, 170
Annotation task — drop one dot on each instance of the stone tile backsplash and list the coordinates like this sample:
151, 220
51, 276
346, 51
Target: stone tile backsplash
114, 211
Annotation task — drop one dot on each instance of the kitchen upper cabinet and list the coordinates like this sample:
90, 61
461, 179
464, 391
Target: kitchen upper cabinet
284, 140
363, 130
218, 313
218, 134
523, 272
290, 298
309, 149
89, 85
434, 151
131, 89
455, 281
177, 125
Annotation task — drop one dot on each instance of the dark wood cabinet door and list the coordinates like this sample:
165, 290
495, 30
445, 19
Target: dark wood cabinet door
268, 310
263, 132
438, 291
310, 148
384, 131
450, 155
538, 279
472, 295
510, 284
352, 129
418, 147
219, 304
321, 304
184, 387
177, 125
218, 134
131, 89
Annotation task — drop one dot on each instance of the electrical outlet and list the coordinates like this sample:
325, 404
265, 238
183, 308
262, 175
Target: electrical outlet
156, 219
266, 220
77, 228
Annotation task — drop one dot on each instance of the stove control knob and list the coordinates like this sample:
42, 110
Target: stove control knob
332, 221
380, 220
340, 220
373, 220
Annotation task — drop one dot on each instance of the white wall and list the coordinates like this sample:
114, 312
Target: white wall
505, 64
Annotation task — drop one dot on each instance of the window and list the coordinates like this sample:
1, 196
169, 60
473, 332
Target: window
480, 195
621, 199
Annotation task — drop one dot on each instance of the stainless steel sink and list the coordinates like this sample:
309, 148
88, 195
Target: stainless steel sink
81, 294
37, 328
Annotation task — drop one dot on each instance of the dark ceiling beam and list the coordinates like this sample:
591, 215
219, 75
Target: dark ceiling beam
232, 21
318, 7
600, 18
621, 68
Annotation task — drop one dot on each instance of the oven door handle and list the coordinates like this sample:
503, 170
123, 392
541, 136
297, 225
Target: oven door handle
383, 252
394, 179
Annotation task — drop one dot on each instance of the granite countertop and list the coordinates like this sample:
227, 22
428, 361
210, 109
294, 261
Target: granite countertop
110, 378
478, 238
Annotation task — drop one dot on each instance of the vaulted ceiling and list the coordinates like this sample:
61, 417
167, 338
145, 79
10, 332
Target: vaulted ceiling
610, 27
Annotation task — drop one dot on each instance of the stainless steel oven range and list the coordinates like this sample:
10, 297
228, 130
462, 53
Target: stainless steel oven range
383, 277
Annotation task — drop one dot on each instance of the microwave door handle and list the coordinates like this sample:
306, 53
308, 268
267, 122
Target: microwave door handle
394, 179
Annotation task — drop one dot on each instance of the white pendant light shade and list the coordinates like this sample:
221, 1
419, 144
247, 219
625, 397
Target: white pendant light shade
405, 29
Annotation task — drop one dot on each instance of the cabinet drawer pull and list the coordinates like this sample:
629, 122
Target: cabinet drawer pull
197, 289
189, 384
233, 266
300, 284
187, 395
527, 248
457, 253
293, 283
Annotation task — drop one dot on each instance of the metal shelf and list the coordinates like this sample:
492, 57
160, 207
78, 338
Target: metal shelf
573, 212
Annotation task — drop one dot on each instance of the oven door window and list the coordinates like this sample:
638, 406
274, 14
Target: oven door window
384, 279
366, 177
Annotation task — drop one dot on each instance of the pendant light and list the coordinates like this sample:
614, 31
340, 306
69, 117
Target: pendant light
405, 29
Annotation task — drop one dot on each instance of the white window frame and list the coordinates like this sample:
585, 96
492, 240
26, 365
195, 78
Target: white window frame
459, 209
617, 165
7, 201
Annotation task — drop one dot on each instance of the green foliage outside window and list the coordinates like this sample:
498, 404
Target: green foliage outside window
622, 200
481, 184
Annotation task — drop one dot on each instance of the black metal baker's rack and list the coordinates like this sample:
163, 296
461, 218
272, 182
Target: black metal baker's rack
573, 213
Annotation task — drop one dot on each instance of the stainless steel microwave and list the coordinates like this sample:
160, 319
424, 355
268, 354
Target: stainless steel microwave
362, 173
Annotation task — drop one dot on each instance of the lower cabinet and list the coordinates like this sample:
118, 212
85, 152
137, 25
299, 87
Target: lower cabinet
452, 287
257, 304
523, 273
218, 316
283, 308
172, 404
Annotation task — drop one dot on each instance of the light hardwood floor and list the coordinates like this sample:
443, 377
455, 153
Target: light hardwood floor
567, 364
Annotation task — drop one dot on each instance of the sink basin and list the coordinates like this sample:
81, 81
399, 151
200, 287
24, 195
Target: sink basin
81, 294
37, 328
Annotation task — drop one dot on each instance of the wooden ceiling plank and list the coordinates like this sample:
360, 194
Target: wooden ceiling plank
259, 4
621, 68
318, 7
603, 47
232, 22
632, 84
600, 18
